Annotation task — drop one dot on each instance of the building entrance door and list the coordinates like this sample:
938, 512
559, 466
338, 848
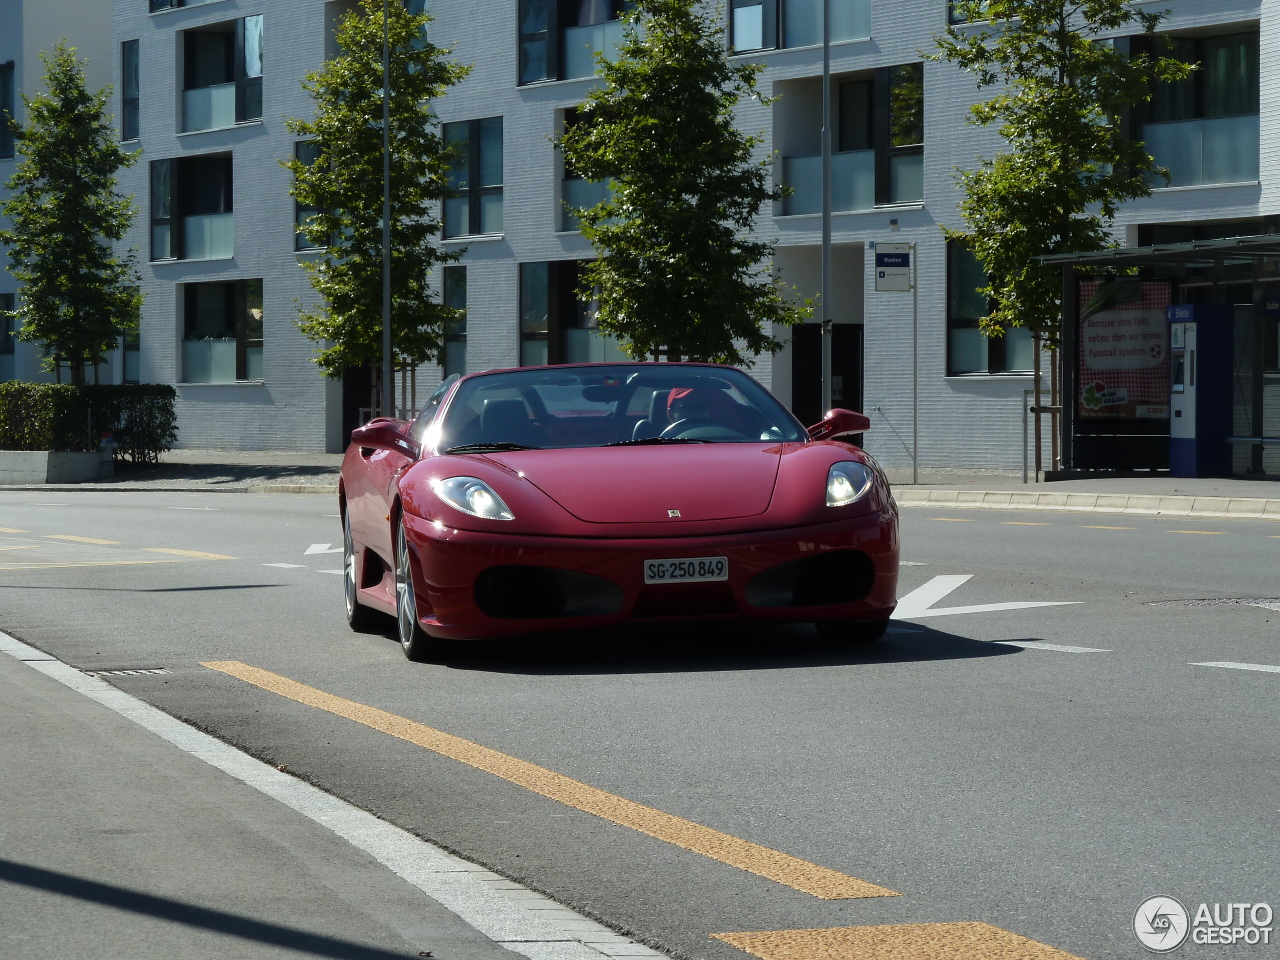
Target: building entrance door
806, 369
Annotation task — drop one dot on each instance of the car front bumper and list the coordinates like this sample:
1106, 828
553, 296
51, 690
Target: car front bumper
477, 585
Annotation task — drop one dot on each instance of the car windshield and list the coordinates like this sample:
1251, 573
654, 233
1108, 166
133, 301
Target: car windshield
620, 405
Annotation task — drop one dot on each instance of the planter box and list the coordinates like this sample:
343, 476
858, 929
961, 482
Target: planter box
25, 466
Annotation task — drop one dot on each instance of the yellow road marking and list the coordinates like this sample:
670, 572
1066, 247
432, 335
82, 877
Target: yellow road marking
67, 536
1203, 533
1087, 526
771, 864
952, 519
1025, 523
12, 530
88, 563
195, 554
907, 941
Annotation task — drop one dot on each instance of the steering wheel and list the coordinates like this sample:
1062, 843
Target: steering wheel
688, 423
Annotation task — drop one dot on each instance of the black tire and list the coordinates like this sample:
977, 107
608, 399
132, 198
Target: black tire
851, 633
414, 641
359, 617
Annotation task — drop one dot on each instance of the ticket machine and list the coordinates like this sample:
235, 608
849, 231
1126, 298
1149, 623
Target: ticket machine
1200, 338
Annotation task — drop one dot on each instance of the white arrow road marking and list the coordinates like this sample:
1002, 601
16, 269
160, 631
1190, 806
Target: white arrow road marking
918, 604
321, 548
1262, 667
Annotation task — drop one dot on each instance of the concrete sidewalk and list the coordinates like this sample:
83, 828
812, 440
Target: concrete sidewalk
128, 835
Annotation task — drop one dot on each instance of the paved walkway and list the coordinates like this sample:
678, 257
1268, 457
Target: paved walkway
277, 472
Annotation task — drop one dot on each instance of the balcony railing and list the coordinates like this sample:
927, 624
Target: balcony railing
214, 361
853, 182
208, 108
1216, 150
210, 237
579, 195
581, 44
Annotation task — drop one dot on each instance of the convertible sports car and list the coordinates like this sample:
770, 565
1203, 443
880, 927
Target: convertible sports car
546, 498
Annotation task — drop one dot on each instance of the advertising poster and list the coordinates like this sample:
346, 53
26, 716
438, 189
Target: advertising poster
1124, 350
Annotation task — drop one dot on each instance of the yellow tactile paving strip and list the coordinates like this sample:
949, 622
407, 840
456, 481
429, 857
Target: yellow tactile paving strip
908, 941
772, 864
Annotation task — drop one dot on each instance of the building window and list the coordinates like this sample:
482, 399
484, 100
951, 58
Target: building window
576, 192
307, 152
879, 145
129, 90
6, 110
191, 208
158, 5
1206, 128
222, 332
475, 181
8, 338
955, 16
222, 74
455, 331
559, 40
556, 326
131, 347
758, 24
969, 350
905, 149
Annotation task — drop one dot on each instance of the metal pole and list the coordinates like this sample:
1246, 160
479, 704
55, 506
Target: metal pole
915, 365
826, 208
388, 385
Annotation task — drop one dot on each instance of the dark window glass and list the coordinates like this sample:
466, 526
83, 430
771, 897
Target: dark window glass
535, 313
475, 178
855, 116
222, 332
162, 246
129, 90
535, 40
969, 350
6, 110
455, 331
1227, 83
222, 74
307, 152
8, 339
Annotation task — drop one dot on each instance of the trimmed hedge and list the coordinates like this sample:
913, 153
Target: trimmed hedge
61, 416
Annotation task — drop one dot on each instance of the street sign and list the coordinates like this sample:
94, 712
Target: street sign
893, 267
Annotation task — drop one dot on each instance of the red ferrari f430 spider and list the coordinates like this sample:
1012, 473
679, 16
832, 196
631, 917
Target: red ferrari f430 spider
548, 498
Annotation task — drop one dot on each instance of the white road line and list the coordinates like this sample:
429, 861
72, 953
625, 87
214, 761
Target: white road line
287, 566
500, 909
911, 563
1261, 667
1056, 647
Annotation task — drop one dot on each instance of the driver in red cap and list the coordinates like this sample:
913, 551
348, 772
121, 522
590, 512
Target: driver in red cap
688, 403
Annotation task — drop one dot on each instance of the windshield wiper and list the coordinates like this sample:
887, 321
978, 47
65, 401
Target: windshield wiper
494, 447
647, 440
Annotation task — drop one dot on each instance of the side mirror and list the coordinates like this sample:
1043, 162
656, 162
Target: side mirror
838, 422
382, 434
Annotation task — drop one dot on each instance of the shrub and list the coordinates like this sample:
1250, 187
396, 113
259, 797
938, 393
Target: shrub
52, 416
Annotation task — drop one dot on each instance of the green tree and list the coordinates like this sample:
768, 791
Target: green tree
1061, 91
677, 267
343, 185
78, 295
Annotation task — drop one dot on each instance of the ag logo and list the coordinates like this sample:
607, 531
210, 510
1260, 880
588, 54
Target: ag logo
1161, 924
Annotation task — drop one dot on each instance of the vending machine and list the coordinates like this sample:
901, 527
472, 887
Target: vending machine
1200, 339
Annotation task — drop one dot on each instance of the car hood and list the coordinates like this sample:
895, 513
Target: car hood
644, 484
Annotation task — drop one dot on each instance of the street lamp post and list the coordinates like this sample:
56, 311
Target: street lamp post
825, 296
388, 384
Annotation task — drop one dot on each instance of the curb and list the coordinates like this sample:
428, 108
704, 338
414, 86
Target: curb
330, 489
1233, 508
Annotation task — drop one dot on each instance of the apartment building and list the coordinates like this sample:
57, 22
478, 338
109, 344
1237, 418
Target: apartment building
204, 85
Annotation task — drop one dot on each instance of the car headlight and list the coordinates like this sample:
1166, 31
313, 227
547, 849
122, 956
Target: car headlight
847, 482
473, 496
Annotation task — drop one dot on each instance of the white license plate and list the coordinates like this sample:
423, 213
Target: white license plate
690, 570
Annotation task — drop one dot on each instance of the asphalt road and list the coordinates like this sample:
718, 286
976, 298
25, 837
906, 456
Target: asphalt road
1042, 769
